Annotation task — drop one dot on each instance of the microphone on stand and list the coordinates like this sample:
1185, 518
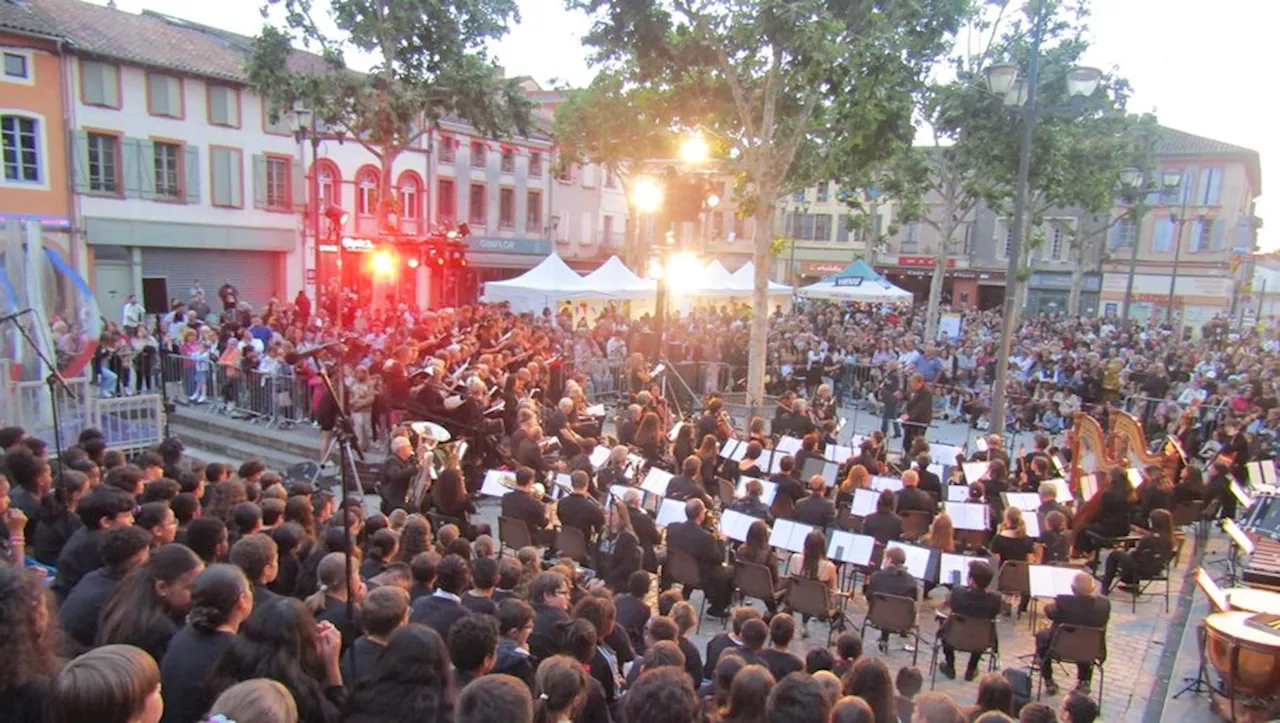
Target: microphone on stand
294, 357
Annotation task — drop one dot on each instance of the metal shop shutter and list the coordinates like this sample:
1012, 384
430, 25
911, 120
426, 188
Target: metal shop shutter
257, 274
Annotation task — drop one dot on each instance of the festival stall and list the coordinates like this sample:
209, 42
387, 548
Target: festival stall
856, 282
544, 286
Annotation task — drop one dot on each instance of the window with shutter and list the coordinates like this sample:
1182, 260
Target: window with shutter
822, 227
1210, 186
1056, 235
99, 84
533, 213
535, 164
104, 163
1162, 240
275, 119
168, 170
477, 154
164, 95
446, 200
224, 106
366, 193
507, 208
448, 152
226, 169
508, 160
20, 144
278, 183
476, 202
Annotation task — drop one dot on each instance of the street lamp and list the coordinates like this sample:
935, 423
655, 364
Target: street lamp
647, 195
1003, 81
694, 149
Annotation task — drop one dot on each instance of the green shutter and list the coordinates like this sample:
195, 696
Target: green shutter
1219, 228
259, 181
130, 152
191, 173
298, 178
146, 168
235, 177
93, 82
80, 170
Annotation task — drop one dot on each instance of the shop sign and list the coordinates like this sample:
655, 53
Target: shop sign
923, 261
820, 268
848, 281
530, 246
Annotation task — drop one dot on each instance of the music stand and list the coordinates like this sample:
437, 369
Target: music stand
1240, 542
1218, 603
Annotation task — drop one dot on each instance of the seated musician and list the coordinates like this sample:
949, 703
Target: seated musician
1012, 543
650, 440
1147, 559
1034, 474
1156, 493
629, 425
994, 451
816, 509
430, 393
581, 462
618, 554
830, 432
691, 537
883, 524
758, 551
471, 411
614, 470
801, 423
808, 450
526, 420
580, 510
894, 579
857, 478
558, 426
1190, 486
684, 486
929, 482
521, 504
752, 504
1219, 502
683, 446
449, 497
911, 497
973, 600
1049, 503
788, 485
710, 416
1081, 608
784, 414
1040, 450
529, 453
1112, 520
1055, 543
646, 530
867, 457
398, 473
749, 465
812, 564
755, 432
708, 462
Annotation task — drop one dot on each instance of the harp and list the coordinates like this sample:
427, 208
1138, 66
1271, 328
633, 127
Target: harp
1127, 435
1090, 456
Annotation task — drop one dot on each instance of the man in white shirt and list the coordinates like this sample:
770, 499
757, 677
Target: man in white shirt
132, 315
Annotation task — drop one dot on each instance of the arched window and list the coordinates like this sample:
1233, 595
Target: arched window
410, 189
330, 183
367, 191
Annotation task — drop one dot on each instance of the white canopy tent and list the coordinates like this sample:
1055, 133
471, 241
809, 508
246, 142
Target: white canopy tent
543, 286
744, 279
614, 278
856, 282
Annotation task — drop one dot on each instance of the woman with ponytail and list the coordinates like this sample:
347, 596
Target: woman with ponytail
560, 687
57, 519
145, 609
330, 601
221, 599
411, 681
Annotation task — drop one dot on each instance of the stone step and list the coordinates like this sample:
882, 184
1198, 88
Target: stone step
235, 450
301, 442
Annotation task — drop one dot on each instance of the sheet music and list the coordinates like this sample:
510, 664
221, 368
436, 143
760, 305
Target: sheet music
1061, 490
789, 535
949, 563
1237, 536
1025, 501
981, 444
968, 515
879, 484
657, 370
734, 525
829, 471
493, 483
944, 453
919, 559
767, 496
1057, 462
1241, 496
619, 492
635, 462
671, 511
1088, 486
1217, 598
728, 448
501, 405
775, 462
840, 426
1269, 473
1051, 581
957, 493
1033, 525
789, 445
564, 480
850, 547
838, 453
864, 502
453, 402
656, 481
940, 470
740, 452
975, 471
671, 436
599, 456
595, 410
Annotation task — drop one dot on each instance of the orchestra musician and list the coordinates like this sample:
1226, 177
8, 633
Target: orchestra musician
1235, 449
756, 550
521, 504
808, 450
748, 466
691, 537
558, 425
614, 470
683, 446
579, 510
529, 452
1219, 502
1113, 516
867, 456
857, 478
650, 440
785, 478
1049, 503
755, 433
919, 411
1082, 608
1190, 487
911, 497
801, 424
1148, 557
398, 472
645, 528
684, 486
395, 378
929, 482
973, 600
618, 555
449, 497
752, 504
1156, 493
892, 580
883, 524
782, 416
708, 460
815, 509
627, 427
824, 404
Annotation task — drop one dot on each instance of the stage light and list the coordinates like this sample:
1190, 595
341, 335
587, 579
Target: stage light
647, 195
382, 263
413, 262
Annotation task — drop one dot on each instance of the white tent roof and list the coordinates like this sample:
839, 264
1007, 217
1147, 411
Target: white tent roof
873, 291
542, 286
613, 277
745, 279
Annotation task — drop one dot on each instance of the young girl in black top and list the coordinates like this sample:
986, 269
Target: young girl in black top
1147, 559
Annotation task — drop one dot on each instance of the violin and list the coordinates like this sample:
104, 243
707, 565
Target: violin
724, 426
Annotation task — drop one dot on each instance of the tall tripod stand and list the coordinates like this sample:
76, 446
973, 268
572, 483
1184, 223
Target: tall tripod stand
53, 381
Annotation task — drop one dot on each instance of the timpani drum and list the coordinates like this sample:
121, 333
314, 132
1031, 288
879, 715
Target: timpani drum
1248, 659
1253, 600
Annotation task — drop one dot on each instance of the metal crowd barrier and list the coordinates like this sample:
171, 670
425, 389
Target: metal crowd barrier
277, 399
128, 424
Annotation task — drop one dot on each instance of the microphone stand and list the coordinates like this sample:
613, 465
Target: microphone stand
53, 382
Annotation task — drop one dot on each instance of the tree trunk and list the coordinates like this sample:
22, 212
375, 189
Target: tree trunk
763, 259
631, 240
935, 286
1077, 280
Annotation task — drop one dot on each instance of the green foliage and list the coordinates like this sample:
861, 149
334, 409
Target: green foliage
429, 63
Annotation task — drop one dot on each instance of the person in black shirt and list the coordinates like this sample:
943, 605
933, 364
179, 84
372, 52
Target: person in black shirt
618, 554
515, 623
123, 549
1148, 557
972, 600
383, 610
473, 647
484, 578
708, 551
816, 509
580, 643
883, 524
549, 595
929, 482
338, 599
723, 642
1049, 503
144, 607
1156, 494
778, 659
1082, 608
443, 608
520, 504
752, 504
1190, 486
685, 617
632, 611
221, 600
788, 485
892, 580
646, 530
684, 486
259, 557
579, 510
911, 497
103, 508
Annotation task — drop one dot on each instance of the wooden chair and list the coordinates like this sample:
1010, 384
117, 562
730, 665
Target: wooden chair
682, 568
513, 534
966, 635
915, 523
1077, 644
893, 614
813, 598
572, 543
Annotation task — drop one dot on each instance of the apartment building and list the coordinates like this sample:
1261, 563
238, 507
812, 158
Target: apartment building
818, 240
